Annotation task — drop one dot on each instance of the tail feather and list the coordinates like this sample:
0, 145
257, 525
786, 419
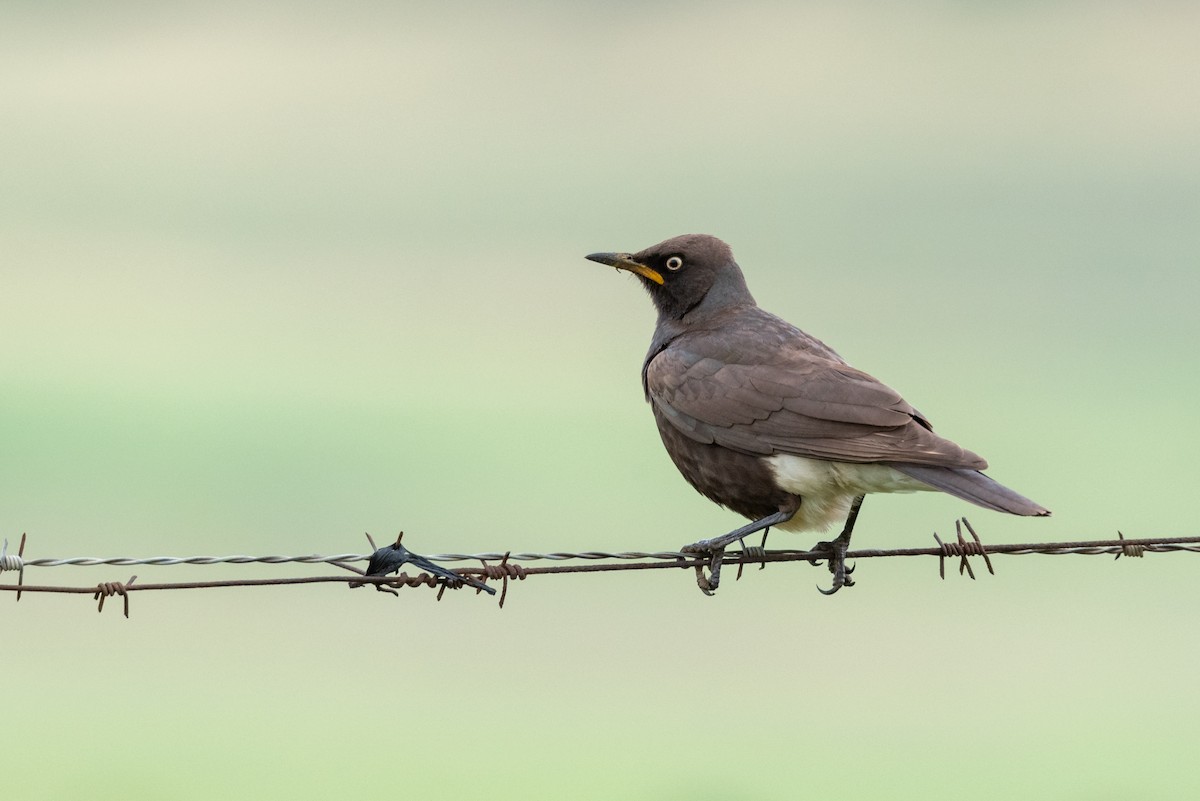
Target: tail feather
973, 486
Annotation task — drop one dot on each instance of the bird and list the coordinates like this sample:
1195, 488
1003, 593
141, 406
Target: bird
770, 422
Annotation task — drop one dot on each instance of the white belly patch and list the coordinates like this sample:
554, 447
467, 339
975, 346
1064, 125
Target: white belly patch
827, 488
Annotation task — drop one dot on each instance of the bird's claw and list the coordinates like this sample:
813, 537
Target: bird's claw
837, 564
707, 548
714, 549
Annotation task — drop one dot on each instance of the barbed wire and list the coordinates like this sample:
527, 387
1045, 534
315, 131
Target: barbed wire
502, 567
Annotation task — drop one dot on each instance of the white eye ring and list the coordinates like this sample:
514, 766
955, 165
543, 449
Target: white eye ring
674, 263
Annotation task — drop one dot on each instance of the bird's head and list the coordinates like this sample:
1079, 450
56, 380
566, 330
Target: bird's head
693, 274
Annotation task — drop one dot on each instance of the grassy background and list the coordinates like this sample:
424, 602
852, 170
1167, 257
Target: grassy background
275, 275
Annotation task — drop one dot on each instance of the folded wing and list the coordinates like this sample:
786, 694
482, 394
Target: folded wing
784, 392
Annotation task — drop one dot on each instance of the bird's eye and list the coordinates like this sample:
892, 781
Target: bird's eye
674, 263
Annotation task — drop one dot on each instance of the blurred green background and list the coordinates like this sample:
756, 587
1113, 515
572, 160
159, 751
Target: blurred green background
273, 275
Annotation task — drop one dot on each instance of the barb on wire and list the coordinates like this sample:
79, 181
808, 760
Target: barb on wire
503, 572
1130, 548
16, 563
107, 589
384, 562
962, 549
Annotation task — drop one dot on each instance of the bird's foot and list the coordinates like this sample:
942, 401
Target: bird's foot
835, 555
714, 551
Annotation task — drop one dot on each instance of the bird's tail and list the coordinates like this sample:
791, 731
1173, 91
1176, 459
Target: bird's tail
973, 486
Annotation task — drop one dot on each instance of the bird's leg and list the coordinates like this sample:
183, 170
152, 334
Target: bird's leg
837, 551
714, 549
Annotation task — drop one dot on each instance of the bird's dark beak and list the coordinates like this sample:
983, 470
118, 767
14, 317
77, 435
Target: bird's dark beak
624, 261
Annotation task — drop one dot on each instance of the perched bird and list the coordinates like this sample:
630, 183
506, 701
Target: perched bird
769, 421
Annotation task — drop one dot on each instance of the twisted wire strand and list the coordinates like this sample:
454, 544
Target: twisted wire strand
504, 568
1128, 547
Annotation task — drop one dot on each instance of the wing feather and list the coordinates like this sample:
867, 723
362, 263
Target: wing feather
762, 386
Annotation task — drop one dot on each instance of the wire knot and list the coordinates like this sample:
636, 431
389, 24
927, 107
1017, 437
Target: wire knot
503, 572
962, 548
1130, 549
405, 580
11, 562
754, 553
107, 589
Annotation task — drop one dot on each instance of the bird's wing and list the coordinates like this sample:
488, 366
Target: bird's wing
766, 395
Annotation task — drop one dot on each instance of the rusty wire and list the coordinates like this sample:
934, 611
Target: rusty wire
505, 566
